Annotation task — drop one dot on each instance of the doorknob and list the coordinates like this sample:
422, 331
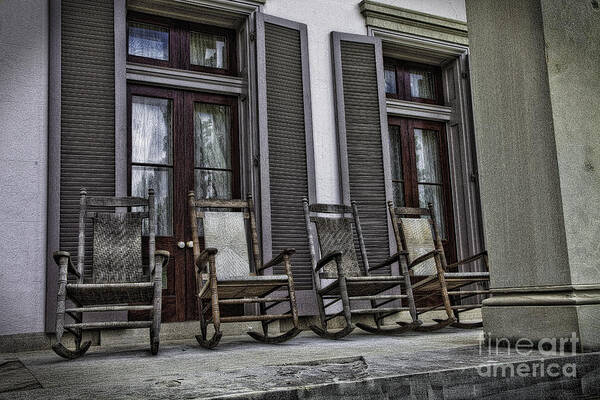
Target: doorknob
181, 245
190, 244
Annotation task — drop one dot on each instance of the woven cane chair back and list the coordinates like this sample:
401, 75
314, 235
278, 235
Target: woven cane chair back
117, 242
335, 234
227, 232
419, 240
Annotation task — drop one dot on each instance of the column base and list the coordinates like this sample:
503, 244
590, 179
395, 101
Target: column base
546, 315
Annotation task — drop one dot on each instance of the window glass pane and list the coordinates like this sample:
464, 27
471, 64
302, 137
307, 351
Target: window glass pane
212, 137
421, 84
147, 40
208, 50
390, 79
427, 156
161, 180
151, 125
396, 152
398, 194
433, 194
213, 184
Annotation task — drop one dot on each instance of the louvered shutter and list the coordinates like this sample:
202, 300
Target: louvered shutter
363, 136
87, 110
286, 147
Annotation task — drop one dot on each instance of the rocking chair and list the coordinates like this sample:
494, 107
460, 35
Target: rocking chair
437, 287
348, 282
228, 280
118, 282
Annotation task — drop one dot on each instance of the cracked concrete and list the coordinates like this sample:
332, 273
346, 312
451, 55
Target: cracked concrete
434, 365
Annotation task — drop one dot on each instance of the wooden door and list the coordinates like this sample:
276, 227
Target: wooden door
180, 141
420, 172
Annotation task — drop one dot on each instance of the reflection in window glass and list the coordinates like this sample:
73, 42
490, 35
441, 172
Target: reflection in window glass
213, 184
161, 180
147, 40
421, 84
208, 50
427, 156
151, 123
433, 194
390, 79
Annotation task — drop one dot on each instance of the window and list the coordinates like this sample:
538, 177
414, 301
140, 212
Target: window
179, 44
413, 82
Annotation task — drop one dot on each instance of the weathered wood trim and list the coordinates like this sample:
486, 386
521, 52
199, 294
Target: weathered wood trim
409, 21
54, 118
120, 29
410, 109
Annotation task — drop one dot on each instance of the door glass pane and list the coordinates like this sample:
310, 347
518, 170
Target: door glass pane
212, 137
208, 50
427, 156
396, 152
433, 194
213, 184
161, 180
147, 40
421, 84
390, 79
151, 125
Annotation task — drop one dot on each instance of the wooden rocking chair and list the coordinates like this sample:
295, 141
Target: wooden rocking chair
119, 282
350, 283
228, 280
438, 287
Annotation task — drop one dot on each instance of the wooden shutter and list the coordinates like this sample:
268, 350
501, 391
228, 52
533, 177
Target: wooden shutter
87, 110
363, 136
286, 146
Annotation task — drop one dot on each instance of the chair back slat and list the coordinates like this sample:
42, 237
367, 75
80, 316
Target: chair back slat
330, 208
117, 245
226, 231
105, 201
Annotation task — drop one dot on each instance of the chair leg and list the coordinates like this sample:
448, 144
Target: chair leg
347, 316
214, 341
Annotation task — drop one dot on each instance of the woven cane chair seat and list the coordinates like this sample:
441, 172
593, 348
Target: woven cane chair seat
115, 293
364, 286
118, 248
247, 286
419, 241
335, 234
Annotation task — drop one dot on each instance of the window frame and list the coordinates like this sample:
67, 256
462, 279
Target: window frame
179, 44
402, 73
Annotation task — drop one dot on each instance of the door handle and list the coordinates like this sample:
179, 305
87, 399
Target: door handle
190, 244
181, 245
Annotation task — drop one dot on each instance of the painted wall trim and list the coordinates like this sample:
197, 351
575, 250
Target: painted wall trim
54, 118
408, 21
120, 32
403, 108
213, 83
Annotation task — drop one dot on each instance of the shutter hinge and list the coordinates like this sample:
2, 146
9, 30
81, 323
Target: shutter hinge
252, 36
256, 161
464, 75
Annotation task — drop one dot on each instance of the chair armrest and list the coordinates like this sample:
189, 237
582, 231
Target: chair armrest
61, 255
327, 259
204, 256
278, 259
390, 260
468, 260
161, 257
423, 258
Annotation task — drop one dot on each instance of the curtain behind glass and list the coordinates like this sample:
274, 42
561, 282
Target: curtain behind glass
147, 40
208, 50
421, 84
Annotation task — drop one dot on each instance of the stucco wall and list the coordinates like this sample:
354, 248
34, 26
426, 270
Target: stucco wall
23, 154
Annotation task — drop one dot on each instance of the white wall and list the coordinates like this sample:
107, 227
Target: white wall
23, 164
322, 17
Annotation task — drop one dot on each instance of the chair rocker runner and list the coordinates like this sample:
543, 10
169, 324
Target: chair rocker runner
223, 270
417, 234
118, 279
348, 282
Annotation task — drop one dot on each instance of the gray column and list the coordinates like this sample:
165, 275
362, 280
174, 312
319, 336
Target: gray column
535, 72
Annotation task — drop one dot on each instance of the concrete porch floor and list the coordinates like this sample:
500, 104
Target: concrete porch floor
440, 365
